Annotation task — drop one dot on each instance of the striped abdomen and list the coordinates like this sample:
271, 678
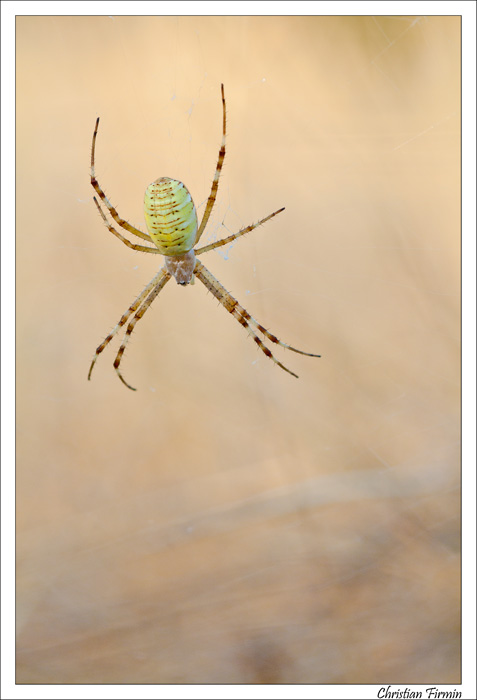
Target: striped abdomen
171, 218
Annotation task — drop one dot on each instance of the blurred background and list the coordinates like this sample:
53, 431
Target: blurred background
228, 523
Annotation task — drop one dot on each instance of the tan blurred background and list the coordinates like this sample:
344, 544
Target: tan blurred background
228, 523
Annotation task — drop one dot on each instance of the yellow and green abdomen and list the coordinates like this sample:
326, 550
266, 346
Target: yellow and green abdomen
170, 214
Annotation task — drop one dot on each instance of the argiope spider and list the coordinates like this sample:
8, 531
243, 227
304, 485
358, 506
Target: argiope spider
172, 225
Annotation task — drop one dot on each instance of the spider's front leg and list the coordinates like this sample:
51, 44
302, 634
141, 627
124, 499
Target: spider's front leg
242, 316
138, 315
125, 317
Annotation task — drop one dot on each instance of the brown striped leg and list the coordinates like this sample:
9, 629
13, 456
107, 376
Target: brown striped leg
124, 224
139, 314
272, 337
237, 311
215, 183
134, 246
229, 239
134, 306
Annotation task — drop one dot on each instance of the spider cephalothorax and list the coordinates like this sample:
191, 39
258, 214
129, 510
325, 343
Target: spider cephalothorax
173, 228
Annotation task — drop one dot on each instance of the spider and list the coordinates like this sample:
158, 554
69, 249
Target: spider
173, 228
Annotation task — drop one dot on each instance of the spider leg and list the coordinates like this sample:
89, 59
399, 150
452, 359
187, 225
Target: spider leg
134, 246
273, 338
139, 314
124, 224
229, 239
134, 306
239, 313
215, 183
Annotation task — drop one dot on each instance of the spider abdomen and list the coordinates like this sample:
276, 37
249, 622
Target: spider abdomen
170, 214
